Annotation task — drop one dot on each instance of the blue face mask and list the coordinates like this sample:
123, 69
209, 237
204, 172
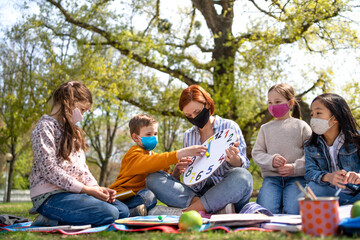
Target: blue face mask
149, 143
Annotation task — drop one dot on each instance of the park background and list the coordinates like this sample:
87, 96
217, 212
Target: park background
137, 56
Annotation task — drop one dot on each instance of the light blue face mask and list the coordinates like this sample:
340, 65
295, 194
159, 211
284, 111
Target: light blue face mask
149, 143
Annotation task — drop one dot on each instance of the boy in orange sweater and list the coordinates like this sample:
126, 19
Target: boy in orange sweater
139, 161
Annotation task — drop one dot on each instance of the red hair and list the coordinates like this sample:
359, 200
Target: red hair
198, 94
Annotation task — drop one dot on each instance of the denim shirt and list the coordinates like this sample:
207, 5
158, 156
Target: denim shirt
318, 162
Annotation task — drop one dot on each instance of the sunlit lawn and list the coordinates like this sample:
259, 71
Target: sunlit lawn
21, 209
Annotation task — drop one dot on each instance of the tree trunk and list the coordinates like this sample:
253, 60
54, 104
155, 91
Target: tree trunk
223, 76
220, 24
10, 181
103, 172
11, 171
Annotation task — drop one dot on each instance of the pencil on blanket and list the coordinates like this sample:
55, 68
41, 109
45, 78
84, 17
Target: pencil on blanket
338, 192
260, 213
307, 196
311, 193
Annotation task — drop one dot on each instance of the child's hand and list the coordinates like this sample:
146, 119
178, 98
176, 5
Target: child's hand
181, 166
232, 155
195, 150
96, 192
278, 161
337, 178
111, 193
184, 162
353, 177
286, 170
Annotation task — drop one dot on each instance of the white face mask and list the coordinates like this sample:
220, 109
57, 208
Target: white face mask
76, 115
320, 126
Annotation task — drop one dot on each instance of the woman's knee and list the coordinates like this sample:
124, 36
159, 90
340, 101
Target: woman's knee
153, 178
241, 175
241, 182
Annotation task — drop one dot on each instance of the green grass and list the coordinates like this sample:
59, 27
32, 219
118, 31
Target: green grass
21, 209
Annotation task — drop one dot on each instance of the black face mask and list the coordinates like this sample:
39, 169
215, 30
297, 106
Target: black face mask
201, 119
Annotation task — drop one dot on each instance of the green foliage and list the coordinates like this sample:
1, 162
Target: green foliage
23, 169
137, 56
351, 95
23, 95
235, 67
164, 25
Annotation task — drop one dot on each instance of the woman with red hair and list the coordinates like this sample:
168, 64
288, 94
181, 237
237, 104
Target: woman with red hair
229, 188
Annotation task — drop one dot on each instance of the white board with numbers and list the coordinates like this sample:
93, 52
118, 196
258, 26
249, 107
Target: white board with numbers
204, 166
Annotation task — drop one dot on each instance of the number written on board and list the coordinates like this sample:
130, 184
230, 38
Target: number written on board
204, 166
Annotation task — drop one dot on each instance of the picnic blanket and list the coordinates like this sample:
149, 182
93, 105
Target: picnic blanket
8, 219
25, 227
168, 224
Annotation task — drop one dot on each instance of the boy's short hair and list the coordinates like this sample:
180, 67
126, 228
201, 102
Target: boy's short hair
139, 121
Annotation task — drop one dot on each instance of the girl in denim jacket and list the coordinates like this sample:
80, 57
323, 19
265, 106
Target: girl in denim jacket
332, 153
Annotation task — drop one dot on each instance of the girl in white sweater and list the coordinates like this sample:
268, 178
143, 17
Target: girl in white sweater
279, 152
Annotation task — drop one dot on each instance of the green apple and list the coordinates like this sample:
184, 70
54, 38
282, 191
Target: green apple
190, 221
355, 210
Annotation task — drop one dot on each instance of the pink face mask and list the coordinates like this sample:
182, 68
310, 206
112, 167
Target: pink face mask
279, 110
76, 115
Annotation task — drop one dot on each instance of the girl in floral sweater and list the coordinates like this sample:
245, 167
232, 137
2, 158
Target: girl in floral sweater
62, 189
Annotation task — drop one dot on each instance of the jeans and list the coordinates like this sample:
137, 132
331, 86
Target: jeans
144, 196
79, 209
280, 194
328, 191
236, 188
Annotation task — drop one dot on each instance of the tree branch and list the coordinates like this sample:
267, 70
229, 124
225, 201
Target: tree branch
149, 108
91, 159
156, 16
189, 44
304, 27
207, 9
265, 12
190, 29
282, 8
318, 82
194, 61
177, 73
57, 33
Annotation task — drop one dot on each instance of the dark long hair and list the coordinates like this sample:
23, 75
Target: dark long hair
341, 111
287, 92
66, 95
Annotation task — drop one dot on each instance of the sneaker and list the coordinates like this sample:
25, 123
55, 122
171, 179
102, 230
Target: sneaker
253, 207
164, 210
139, 210
229, 208
32, 211
43, 221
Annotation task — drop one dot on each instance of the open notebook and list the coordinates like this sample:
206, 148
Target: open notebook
254, 219
59, 227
